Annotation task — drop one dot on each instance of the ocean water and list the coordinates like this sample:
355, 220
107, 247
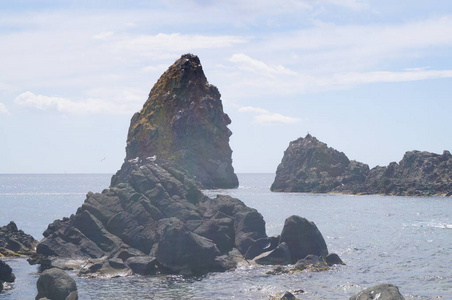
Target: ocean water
406, 241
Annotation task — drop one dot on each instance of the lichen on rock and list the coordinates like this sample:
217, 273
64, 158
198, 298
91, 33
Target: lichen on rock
183, 124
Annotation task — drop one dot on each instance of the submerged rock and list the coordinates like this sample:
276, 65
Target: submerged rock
380, 292
150, 222
183, 124
309, 165
55, 284
14, 242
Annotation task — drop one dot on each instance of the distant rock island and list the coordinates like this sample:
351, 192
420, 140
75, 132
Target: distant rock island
183, 124
309, 165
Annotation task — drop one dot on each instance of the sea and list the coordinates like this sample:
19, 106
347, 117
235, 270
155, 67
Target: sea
405, 241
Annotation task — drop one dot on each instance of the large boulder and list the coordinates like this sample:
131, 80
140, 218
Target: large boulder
380, 292
303, 238
183, 124
183, 251
55, 284
14, 242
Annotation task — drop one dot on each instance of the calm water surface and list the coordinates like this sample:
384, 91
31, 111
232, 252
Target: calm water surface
406, 241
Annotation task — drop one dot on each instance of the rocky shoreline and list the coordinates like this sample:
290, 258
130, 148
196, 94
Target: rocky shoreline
153, 218
309, 165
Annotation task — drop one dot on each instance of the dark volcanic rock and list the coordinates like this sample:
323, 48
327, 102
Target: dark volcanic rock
6, 274
418, 173
303, 238
149, 221
380, 292
14, 242
309, 165
279, 256
55, 284
262, 245
184, 125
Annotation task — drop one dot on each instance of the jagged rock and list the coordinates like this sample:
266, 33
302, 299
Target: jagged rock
380, 292
303, 238
148, 222
6, 274
311, 262
14, 242
143, 265
183, 124
262, 245
333, 259
418, 173
288, 296
183, 251
278, 256
309, 165
55, 284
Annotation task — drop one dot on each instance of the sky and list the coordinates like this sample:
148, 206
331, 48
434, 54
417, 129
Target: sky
372, 79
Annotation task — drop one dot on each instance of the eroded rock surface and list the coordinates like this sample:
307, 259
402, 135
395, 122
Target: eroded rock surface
183, 124
152, 220
309, 165
14, 242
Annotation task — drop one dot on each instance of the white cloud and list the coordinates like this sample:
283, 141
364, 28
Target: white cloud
265, 117
352, 4
245, 62
103, 35
253, 109
3, 109
156, 68
64, 105
384, 76
161, 43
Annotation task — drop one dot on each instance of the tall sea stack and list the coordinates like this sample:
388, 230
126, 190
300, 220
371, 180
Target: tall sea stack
183, 124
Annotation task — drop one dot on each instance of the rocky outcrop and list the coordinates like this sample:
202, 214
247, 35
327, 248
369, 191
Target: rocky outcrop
300, 243
381, 292
55, 284
14, 242
183, 124
309, 165
418, 173
6, 274
152, 220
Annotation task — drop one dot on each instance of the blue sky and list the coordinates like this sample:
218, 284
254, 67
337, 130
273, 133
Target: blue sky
370, 78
